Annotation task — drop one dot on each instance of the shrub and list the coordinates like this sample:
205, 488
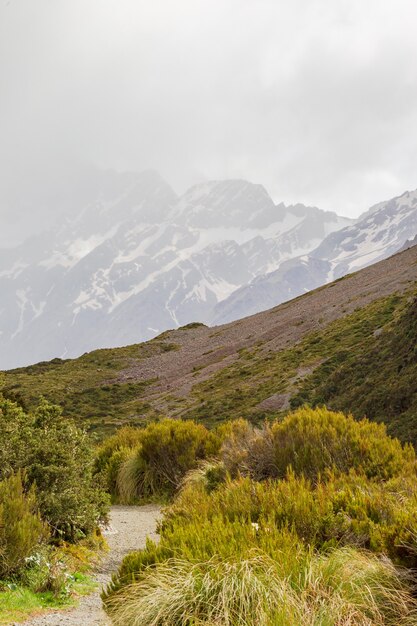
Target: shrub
57, 457
61, 466
344, 510
248, 450
172, 447
21, 529
166, 452
310, 441
125, 438
209, 475
328, 493
111, 456
15, 435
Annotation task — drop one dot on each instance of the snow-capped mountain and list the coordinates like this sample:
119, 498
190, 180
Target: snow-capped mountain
131, 259
383, 230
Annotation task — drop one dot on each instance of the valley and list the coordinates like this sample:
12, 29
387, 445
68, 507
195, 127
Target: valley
208, 313
281, 446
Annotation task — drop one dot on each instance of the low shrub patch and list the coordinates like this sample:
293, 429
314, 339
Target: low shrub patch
139, 464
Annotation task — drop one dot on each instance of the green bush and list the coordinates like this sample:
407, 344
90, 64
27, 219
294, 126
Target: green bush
21, 529
15, 434
57, 457
310, 441
172, 447
124, 438
153, 461
243, 515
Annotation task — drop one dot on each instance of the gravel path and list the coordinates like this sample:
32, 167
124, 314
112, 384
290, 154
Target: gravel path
130, 525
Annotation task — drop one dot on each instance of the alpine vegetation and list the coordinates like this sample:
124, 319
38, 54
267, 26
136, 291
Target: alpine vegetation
280, 529
50, 509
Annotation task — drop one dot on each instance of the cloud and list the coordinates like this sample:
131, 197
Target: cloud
315, 99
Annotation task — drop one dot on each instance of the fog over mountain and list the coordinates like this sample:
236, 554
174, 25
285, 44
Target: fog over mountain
135, 260
132, 259
316, 99
383, 230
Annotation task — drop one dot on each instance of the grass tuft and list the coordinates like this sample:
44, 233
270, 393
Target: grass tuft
342, 588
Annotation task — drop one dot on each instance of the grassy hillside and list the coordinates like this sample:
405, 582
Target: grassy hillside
378, 378
350, 344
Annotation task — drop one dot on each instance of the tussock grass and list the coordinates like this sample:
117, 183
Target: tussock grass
208, 475
138, 464
343, 588
135, 479
295, 525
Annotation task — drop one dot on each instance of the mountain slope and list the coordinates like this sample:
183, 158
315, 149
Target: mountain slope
380, 232
255, 367
134, 260
378, 379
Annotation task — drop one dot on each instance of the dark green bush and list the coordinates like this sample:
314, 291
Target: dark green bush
21, 528
57, 457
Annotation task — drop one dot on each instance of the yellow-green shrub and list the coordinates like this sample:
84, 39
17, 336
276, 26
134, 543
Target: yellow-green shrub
341, 510
164, 453
310, 441
326, 489
248, 450
172, 447
125, 438
244, 515
21, 529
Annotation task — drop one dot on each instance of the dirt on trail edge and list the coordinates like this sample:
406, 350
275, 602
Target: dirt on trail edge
129, 527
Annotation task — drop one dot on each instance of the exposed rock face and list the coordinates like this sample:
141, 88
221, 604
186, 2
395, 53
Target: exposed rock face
132, 260
380, 232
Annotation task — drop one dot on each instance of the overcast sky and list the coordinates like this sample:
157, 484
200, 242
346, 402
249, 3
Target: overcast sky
316, 99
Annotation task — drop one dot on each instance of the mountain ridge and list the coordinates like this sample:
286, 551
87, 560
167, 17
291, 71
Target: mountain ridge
378, 233
254, 367
137, 260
